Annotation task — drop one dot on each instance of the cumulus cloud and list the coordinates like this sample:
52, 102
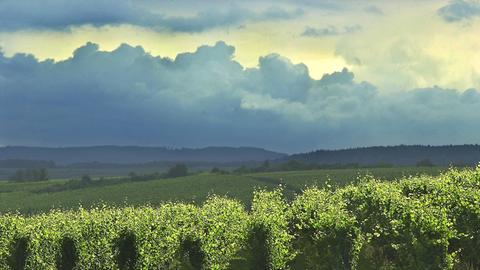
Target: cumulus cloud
61, 15
128, 96
330, 30
460, 10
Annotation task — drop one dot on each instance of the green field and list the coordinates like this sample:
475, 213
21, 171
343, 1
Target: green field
33, 197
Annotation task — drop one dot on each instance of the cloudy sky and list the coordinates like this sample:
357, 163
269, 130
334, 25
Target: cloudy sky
280, 74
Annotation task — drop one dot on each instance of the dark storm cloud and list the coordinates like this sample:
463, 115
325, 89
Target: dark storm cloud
323, 4
330, 30
201, 98
211, 19
460, 10
61, 15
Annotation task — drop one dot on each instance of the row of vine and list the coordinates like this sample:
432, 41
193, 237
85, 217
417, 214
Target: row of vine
414, 223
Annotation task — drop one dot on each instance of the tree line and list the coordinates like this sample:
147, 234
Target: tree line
30, 175
401, 155
297, 165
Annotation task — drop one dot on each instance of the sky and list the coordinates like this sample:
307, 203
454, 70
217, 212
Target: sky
286, 75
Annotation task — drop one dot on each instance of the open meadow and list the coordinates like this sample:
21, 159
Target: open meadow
34, 197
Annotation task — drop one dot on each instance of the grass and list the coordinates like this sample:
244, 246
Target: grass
26, 198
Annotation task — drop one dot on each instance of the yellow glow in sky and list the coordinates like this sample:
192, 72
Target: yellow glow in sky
317, 54
402, 49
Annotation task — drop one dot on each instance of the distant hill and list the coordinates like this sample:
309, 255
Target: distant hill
21, 163
111, 156
395, 155
136, 154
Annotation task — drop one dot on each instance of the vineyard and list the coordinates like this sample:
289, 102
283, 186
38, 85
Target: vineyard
40, 197
414, 223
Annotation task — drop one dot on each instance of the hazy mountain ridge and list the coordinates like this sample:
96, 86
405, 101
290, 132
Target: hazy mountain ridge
97, 156
136, 154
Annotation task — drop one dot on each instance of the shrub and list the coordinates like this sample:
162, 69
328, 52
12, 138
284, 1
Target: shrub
327, 235
222, 231
399, 232
178, 170
270, 214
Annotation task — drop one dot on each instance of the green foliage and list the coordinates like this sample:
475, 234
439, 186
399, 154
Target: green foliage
255, 254
159, 233
178, 170
270, 213
399, 232
28, 175
414, 223
326, 234
10, 231
216, 170
86, 179
425, 163
222, 231
457, 194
